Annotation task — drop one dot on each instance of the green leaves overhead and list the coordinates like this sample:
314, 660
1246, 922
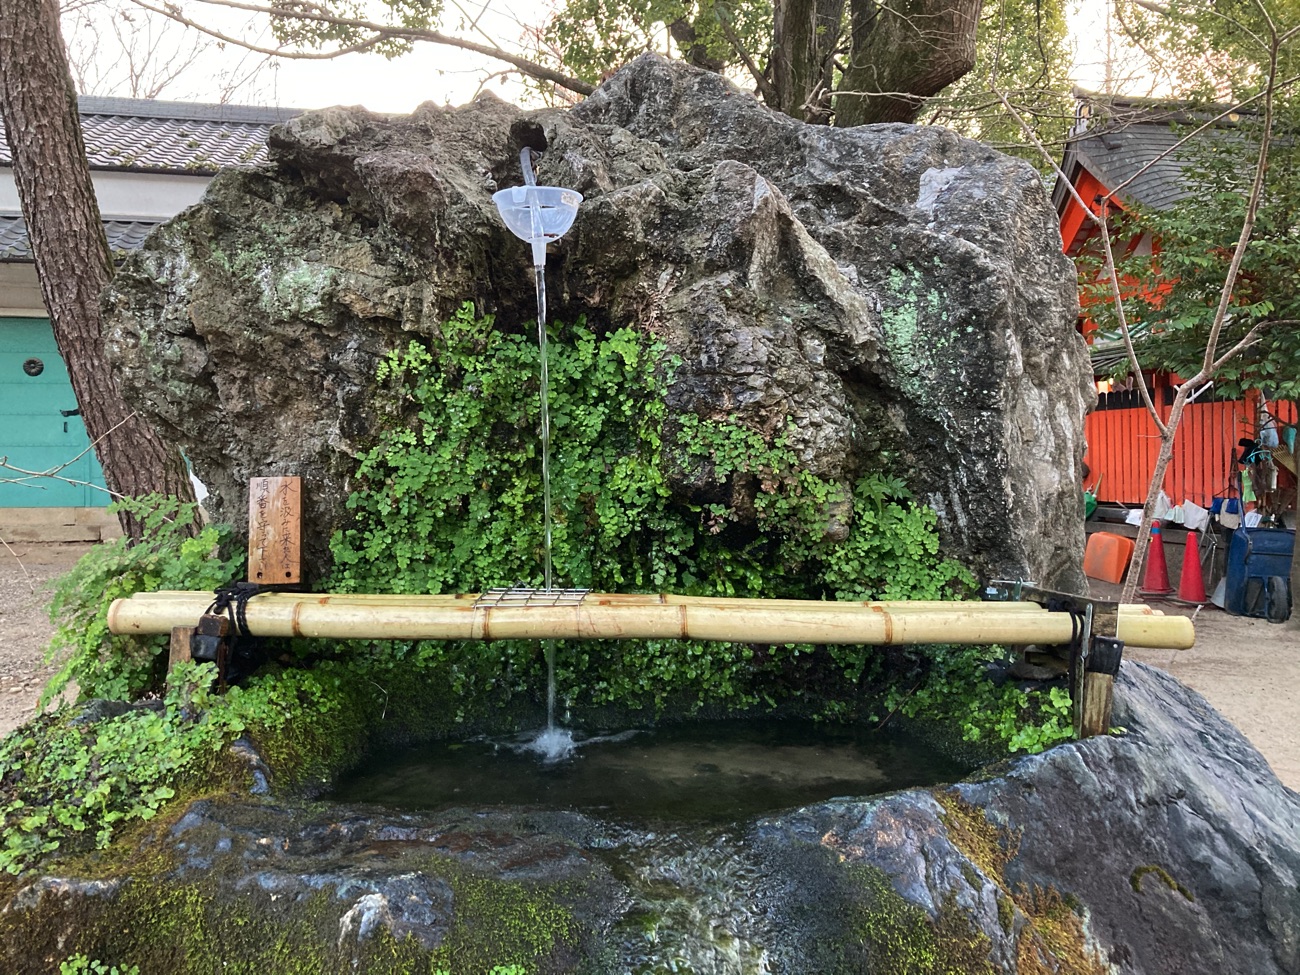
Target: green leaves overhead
389, 27
1022, 50
594, 37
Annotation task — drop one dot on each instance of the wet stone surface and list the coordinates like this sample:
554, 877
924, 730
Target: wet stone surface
1170, 848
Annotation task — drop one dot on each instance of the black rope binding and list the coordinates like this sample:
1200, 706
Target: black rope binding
243, 650
233, 601
1076, 616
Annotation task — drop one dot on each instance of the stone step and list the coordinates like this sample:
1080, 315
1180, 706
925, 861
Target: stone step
50, 534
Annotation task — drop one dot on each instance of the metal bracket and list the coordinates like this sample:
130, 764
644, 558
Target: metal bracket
1104, 612
1094, 649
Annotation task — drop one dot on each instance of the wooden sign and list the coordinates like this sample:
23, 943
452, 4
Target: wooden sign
275, 530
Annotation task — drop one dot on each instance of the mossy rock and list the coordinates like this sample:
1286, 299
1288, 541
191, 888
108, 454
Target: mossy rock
235, 886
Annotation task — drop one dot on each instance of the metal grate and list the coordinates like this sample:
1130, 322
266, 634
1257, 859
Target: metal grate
524, 596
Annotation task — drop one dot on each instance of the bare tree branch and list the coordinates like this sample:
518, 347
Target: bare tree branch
114, 49
378, 34
1135, 367
53, 472
1199, 129
1249, 339
760, 79
174, 13
1211, 362
1100, 221
31, 583
472, 22
1248, 223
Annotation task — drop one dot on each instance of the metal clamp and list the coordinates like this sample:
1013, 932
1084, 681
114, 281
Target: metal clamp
1095, 647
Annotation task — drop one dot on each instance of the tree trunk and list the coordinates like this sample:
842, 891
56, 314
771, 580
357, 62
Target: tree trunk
900, 54
805, 34
686, 38
1132, 578
73, 261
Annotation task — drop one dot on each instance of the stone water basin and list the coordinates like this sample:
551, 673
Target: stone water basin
704, 772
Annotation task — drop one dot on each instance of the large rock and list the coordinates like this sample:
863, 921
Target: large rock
895, 294
1171, 848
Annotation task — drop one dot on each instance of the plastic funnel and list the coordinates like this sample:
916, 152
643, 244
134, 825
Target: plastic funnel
538, 214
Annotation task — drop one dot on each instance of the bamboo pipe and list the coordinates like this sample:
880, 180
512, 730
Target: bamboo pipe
749, 621
638, 599
603, 599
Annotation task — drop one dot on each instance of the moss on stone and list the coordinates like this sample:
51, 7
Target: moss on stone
504, 922
165, 922
983, 843
898, 937
1054, 942
1161, 874
1054, 939
903, 319
1006, 913
900, 321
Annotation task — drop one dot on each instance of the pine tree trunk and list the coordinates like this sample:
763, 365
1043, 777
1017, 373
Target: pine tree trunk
73, 261
902, 52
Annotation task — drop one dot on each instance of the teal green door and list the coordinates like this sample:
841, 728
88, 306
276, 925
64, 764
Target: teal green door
35, 393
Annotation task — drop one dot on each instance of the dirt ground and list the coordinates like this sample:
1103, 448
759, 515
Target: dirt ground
1248, 669
25, 572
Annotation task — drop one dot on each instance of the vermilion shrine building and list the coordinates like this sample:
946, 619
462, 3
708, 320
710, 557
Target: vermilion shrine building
1112, 143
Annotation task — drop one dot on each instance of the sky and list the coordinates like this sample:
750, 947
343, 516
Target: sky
428, 73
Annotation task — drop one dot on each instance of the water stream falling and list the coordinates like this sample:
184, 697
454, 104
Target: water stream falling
548, 572
540, 273
540, 214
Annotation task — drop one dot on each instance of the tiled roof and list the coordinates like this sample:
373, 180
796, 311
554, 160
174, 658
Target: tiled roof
123, 235
1114, 155
143, 135
1114, 139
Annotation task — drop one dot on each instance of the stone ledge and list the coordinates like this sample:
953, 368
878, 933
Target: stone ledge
57, 525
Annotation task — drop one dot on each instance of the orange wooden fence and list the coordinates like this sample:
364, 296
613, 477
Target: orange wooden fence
1122, 448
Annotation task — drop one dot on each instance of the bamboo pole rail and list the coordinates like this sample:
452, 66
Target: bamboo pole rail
617, 616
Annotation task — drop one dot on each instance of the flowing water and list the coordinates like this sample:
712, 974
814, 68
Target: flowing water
548, 575
540, 274
678, 815
674, 809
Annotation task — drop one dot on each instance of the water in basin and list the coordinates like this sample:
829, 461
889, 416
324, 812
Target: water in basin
696, 773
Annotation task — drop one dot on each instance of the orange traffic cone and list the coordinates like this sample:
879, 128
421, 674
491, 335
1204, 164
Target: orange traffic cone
1191, 585
1155, 582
